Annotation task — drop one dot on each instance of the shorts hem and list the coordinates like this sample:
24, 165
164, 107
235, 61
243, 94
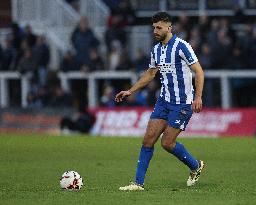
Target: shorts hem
176, 127
158, 118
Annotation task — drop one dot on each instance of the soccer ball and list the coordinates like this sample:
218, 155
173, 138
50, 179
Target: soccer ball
71, 180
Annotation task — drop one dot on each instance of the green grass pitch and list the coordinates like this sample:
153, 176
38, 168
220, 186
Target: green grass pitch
30, 168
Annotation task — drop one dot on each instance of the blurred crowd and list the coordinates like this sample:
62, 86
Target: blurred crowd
218, 42
221, 44
29, 54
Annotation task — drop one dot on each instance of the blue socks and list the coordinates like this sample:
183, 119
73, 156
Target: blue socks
183, 155
143, 162
146, 154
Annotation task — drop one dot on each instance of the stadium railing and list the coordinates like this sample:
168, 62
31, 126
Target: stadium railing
4, 87
92, 78
92, 81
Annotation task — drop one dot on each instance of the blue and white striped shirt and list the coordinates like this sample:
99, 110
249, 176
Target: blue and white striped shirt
173, 61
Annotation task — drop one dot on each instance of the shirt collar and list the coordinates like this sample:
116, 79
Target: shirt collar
170, 41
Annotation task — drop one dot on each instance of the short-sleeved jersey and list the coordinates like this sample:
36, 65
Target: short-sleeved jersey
173, 61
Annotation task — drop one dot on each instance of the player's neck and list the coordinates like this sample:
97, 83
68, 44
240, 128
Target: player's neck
166, 40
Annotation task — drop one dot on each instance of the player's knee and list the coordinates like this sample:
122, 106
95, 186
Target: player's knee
148, 143
168, 146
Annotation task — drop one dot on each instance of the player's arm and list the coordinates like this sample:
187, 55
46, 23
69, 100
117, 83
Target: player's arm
189, 56
199, 84
146, 77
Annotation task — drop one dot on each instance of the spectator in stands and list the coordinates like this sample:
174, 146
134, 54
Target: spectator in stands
41, 54
221, 50
141, 61
212, 34
16, 35
83, 40
184, 21
44, 95
115, 33
60, 98
51, 95
19, 53
205, 57
225, 25
107, 99
250, 47
204, 26
243, 88
235, 61
38, 96
183, 26
195, 39
29, 36
206, 62
122, 15
114, 55
180, 31
239, 16
96, 63
125, 63
8, 55
33, 101
27, 64
69, 62
124, 12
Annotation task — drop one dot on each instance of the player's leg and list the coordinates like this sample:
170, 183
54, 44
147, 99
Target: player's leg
155, 128
177, 149
178, 119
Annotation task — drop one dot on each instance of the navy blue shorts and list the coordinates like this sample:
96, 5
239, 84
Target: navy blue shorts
177, 115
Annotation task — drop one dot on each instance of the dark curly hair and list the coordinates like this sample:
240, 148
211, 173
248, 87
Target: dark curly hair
161, 16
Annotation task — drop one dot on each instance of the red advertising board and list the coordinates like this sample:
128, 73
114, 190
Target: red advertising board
133, 121
210, 122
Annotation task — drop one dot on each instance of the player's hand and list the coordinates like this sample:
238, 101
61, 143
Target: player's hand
197, 105
120, 96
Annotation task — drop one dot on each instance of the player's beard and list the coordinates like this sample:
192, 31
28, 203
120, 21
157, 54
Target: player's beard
161, 38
